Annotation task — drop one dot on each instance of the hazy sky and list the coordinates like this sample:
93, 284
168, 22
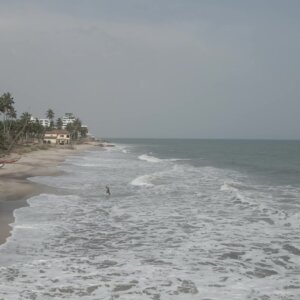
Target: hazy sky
157, 68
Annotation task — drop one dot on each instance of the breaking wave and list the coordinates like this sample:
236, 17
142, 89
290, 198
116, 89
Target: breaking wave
149, 158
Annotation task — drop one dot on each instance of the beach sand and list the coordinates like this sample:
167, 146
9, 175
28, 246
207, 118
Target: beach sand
14, 186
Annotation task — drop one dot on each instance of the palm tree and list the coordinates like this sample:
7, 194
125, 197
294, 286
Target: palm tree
36, 130
50, 116
59, 123
70, 129
77, 126
8, 111
6, 103
20, 127
74, 128
25, 122
83, 132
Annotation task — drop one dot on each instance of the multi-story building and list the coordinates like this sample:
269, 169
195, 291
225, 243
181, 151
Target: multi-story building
67, 119
44, 122
60, 137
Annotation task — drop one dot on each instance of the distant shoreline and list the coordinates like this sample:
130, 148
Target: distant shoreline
15, 188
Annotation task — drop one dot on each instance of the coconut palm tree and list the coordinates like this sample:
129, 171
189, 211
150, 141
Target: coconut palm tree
50, 116
83, 132
6, 103
77, 126
25, 123
36, 130
59, 123
74, 128
8, 112
70, 129
20, 128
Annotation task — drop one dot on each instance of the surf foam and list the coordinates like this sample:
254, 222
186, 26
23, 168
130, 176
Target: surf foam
149, 158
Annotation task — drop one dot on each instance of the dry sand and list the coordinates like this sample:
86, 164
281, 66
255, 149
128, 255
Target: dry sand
14, 186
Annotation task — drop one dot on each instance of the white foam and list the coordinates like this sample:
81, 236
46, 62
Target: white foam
153, 159
149, 158
227, 187
177, 238
176, 159
116, 148
142, 181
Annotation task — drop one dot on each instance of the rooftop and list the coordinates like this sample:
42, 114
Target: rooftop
57, 131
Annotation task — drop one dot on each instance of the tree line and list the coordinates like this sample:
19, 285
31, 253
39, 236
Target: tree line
19, 130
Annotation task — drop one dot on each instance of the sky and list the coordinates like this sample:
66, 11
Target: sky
157, 68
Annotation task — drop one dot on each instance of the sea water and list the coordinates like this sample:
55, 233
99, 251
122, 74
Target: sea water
187, 219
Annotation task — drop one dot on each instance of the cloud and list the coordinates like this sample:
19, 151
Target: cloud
153, 76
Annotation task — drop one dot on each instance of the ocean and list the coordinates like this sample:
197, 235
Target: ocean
186, 219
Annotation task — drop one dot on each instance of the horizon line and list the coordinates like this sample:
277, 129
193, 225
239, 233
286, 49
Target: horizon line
203, 138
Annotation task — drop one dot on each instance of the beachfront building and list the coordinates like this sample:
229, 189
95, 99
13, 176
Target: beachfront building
68, 118
57, 137
44, 122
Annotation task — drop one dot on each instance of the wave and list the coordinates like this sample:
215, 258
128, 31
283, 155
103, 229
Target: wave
149, 158
143, 180
176, 176
177, 159
154, 159
228, 187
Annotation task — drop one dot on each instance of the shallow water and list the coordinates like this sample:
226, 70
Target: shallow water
175, 227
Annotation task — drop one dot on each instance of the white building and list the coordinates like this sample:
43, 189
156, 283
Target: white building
59, 137
44, 122
67, 119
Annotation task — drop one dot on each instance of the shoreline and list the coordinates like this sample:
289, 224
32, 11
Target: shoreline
15, 188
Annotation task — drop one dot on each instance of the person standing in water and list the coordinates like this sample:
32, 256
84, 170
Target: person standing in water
107, 190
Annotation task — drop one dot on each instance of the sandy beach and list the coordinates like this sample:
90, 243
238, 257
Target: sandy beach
14, 186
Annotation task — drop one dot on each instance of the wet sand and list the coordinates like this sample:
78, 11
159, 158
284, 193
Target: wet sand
14, 186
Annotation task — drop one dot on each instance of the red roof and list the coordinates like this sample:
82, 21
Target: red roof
57, 131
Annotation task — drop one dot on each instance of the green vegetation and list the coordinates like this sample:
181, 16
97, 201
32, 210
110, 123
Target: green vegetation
28, 134
59, 123
50, 116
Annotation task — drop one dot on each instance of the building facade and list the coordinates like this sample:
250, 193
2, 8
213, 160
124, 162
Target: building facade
57, 137
44, 122
68, 118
